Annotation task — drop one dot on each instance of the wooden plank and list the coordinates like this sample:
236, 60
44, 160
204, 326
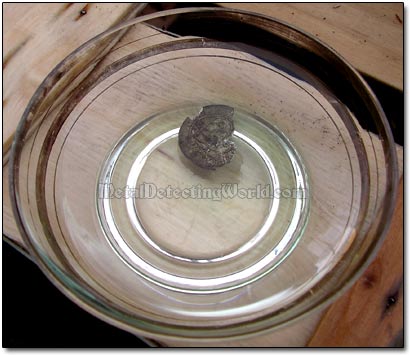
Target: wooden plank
370, 36
371, 313
37, 37
280, 338
284, 337
136, 38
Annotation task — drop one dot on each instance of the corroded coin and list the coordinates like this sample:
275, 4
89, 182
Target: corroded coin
206, 138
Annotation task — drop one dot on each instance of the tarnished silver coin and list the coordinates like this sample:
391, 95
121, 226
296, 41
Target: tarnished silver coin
206, 138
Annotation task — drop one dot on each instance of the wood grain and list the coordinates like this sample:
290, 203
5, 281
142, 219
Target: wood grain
136, 38
281, 338
298, 334
37, 37
370, 36
371, 313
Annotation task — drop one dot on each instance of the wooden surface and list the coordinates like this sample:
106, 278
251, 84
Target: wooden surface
285, 337
298, 334
371, 313
37, 36
370, 36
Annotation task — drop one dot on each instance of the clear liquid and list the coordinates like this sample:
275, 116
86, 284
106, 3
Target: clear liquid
202, 231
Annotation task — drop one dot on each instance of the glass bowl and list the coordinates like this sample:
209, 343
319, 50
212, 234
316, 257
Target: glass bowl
133, 231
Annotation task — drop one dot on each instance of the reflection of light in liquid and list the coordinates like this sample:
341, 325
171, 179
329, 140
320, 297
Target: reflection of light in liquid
133, 211
211, 285
159, 290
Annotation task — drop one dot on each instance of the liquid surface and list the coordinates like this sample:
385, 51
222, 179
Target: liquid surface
196, 230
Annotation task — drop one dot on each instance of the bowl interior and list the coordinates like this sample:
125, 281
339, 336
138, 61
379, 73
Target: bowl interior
129, 226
